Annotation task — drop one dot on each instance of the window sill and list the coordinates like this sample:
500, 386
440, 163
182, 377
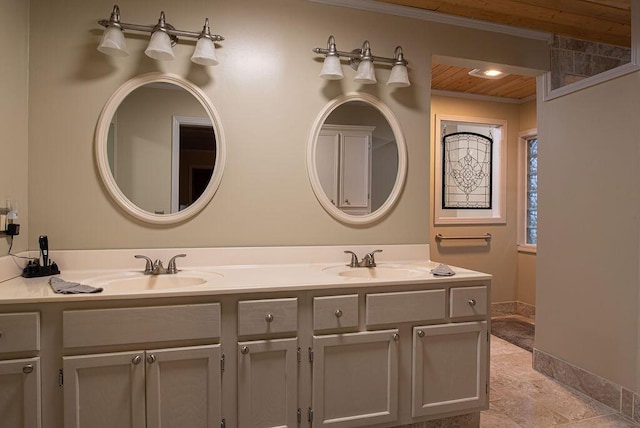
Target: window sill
527, 248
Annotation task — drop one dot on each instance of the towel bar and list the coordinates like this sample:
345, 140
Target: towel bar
486, 237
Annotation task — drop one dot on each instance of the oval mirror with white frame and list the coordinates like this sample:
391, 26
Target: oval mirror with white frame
160, 148
357, 158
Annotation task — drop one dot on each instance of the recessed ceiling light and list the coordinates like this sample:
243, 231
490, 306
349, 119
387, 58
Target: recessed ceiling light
487, 74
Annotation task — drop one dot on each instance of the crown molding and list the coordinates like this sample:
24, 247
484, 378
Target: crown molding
442, 18
478, 97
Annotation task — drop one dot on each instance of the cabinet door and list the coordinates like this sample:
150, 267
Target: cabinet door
20, 393
355, 170
104, 390
355, 379
450, 367
268, 383
184, 387
327, 155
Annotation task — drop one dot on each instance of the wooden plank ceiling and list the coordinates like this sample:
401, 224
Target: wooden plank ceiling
604, 21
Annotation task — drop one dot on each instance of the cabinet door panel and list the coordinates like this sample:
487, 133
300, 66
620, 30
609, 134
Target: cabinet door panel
20, 393
184, 387
355, 379
104, 390
449, 368
268, 383
355, 171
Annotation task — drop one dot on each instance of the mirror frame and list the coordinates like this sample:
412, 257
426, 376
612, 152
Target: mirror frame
102, 131
393, 197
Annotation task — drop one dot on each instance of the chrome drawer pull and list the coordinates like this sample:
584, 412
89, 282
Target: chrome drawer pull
471, 302
27, 369
136, 360
269, 318
420, 333
338, 313
151, 358
396, 336
244, 350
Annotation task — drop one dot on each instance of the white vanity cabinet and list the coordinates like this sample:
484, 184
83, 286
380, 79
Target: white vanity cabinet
268, 368
343, 154
154, 387
20, 394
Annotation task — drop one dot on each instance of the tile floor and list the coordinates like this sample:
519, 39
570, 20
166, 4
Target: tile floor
523, 398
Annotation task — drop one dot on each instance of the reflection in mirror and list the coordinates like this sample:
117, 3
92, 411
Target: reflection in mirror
160, 148
357, 158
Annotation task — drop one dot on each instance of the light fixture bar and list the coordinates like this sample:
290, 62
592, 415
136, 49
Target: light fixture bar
357, 54
171, 31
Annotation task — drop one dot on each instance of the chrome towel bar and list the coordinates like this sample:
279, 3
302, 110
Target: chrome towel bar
486, 237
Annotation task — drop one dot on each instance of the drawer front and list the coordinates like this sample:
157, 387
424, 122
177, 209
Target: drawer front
20, 332
102, 327
268, 316
409, 306
335, 312
468, 302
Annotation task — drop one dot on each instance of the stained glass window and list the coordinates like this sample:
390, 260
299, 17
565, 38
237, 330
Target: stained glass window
466, 172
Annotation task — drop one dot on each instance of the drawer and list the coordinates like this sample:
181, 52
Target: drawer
335, 312
408, 306
468, 302
20, 332
102, 327
268, 316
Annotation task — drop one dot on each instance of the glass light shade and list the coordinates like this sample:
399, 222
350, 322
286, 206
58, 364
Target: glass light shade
331, 69
399, 77
113, 43
205, 52
365, 74
160, 47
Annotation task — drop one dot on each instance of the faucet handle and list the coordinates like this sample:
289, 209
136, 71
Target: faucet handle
171, 267
370, 260
148, 268
354, 259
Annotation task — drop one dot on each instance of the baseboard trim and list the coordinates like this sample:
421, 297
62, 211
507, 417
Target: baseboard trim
513, 308
598, 388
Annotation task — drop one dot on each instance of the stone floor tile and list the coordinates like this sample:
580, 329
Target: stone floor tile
608, 421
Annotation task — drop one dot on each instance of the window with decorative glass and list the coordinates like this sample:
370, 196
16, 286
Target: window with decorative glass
528, 191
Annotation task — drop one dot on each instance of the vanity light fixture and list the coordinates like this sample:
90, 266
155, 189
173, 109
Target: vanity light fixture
363, 61
163, 37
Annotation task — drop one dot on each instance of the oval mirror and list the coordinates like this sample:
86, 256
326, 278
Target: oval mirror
160, 148
357, 158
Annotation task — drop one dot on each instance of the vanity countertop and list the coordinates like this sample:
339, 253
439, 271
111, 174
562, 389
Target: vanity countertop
265, 276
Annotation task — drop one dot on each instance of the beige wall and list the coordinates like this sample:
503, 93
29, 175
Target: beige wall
500, 258
587, 265
268, 93
14, 75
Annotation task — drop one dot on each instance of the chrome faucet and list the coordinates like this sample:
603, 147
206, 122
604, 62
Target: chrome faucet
367, 261
156, 268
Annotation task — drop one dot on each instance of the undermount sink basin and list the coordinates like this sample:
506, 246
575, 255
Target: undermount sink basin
378, 272
135, 281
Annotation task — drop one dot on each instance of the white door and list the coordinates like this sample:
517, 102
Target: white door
268, 383
450, 368
20, 393
355, 379
104, 390
355, 171
327, 154
184, 387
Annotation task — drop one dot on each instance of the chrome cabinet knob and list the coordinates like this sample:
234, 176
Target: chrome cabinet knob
420, 333
28, 368
269, 318
396, 336
137, 359
338, 313
471, 302
346, 201
151, 358
244, 350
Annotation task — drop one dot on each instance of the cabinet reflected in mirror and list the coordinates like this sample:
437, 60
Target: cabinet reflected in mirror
160, 148
356, 158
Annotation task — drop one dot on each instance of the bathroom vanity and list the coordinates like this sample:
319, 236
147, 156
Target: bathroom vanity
261, 344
